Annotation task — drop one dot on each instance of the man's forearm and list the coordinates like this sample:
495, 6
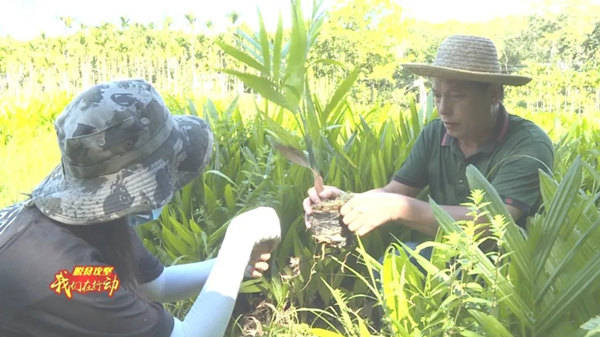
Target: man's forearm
418, 215
369, 210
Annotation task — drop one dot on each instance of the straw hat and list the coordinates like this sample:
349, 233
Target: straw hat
468, 58
123, 152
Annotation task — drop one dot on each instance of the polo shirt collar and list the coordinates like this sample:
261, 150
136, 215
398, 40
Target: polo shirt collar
501, 130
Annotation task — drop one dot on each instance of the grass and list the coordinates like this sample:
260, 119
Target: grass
29, 150
243, 156
28, 146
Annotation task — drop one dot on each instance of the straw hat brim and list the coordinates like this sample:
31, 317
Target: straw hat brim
465, 75
136, 188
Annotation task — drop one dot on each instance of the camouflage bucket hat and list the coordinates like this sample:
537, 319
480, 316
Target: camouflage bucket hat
122, 153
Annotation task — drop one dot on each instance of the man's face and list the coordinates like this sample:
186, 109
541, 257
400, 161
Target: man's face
464, 107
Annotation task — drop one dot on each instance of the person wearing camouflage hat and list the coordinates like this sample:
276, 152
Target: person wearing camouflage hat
123, 154
473, 128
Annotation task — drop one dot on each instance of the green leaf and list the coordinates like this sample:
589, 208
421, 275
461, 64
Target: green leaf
317, 19
487, 270
310, 121
175, 244
375, 176
342, 304
210, 111
294, 71
362, 328
210, 200
195, 227
329, 62
426, 264
254, 45
558, 211
241, 56
341, 91
277, 53
490, 324
220, 174
192, 108
592, 326
324, 333
217, 235
514, 237
182, 232
186, 198
229, 197
229, 111
393, 283
264, 45
586, 280
567, 258
251, 286
264, 87
277, 134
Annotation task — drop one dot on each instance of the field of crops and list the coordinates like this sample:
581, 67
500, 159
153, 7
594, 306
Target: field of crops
314, 86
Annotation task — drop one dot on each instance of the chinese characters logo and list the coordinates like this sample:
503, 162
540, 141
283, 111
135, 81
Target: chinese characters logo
86, 279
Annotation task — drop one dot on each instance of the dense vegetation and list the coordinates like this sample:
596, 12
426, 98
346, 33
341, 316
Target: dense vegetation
317, 85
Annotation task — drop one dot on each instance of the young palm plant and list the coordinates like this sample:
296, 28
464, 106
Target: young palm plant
281, 74
551, 284
284, 79
321, 131
539, 282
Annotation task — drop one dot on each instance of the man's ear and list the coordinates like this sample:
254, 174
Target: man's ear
496, 94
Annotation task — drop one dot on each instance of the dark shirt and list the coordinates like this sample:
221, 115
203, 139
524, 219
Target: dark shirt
510, 161
33, 248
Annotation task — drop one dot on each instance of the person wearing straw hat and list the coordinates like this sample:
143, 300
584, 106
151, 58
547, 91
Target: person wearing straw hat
473, 128
71, 264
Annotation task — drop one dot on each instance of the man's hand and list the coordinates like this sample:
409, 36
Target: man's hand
369, 210
329, 192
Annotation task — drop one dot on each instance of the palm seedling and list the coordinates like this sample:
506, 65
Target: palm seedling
325, 220
284, 79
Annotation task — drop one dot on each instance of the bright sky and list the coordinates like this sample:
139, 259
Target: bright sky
25, 19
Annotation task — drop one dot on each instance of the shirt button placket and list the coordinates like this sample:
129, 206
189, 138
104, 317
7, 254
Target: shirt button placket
461, 172
461, 180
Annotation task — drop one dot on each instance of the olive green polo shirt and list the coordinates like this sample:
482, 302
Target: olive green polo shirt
510, 162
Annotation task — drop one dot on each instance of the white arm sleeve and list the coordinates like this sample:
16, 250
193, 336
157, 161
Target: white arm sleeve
178, 282
210, 313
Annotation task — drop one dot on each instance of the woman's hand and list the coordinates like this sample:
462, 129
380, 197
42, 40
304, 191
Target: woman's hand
258, 266
259, 227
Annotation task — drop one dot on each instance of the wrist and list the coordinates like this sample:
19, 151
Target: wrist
399, 207
254, 226
236, 244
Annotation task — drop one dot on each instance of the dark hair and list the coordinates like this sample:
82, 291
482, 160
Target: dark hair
113, 239
484, 86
